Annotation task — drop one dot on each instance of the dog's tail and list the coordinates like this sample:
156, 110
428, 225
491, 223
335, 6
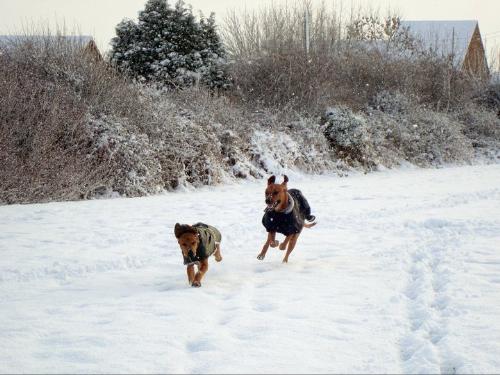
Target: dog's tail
310, 225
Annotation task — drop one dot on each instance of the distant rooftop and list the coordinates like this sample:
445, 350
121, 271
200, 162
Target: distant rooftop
495, 77
443, 37
6, 40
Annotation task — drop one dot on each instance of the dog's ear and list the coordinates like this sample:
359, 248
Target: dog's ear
180, 229
285, 180
177, 230
271, 180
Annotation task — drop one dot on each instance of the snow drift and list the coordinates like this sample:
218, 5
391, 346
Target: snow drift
395, 278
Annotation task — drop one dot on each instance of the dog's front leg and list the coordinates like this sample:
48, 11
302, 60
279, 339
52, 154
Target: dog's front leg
286, 241
190, 273
270, 239
202, 269
291, 246
217, 254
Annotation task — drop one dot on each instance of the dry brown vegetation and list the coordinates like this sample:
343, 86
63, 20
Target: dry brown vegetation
349, 61
73, 128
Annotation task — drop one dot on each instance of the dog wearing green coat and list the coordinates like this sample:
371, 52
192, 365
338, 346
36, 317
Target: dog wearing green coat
198, 242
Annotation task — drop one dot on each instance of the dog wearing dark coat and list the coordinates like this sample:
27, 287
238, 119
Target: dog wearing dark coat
286, 213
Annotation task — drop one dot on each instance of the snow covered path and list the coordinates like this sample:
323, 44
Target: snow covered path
402, 274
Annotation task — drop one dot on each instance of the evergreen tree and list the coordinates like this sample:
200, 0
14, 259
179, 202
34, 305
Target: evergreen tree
124, 44
168, 45
214, 54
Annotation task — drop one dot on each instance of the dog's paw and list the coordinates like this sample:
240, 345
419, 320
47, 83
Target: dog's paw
274, 243
285, 260
310, 218
283, 246
261, 257
196, 284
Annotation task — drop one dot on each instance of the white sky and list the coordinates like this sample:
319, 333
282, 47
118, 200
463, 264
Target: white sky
99, 17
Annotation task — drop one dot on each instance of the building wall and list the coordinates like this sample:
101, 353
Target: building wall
92, 51
475, 59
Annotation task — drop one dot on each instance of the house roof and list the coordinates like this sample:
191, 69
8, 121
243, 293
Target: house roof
9, 40
495, 78
444, 38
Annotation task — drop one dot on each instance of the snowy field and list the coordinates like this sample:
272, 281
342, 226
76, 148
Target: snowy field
402, 274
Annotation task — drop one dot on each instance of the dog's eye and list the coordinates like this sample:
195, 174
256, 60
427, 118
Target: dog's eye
275, 193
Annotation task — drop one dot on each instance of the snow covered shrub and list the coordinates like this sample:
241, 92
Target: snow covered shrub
133, 169
41, 129
198, 150
347, 133
482, 127
315, 153
344, 128
347, 64
418, 135
274, 152
489, 97
193, 147
234, 149
433, 138
241, 143
169, 46
391, 102
394, 129
52, 97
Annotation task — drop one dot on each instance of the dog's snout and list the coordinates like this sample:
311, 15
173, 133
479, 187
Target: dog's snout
268, 200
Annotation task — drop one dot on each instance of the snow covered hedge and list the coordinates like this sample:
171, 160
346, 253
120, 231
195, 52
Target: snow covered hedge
482, 127
72, 128
392, 130
75, 129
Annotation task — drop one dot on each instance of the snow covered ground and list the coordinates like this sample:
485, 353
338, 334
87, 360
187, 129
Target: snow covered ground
402, 274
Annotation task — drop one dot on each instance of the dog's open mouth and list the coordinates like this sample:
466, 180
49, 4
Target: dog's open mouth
272, 206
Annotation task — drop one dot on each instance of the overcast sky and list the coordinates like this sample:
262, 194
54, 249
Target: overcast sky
99, 17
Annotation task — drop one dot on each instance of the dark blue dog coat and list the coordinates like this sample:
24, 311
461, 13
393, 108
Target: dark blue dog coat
291, 220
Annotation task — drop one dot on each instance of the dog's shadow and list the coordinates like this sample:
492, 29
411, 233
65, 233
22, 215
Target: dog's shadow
171, 287
266, 267
229, 281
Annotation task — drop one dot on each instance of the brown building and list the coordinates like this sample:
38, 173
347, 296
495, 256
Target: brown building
85, 42
460, 40
92, 50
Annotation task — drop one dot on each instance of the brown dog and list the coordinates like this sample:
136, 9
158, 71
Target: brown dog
198, 242
286, 213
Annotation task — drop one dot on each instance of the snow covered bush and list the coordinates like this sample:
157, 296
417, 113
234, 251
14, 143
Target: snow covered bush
315, 152
347, 133
235, 150
133, 169
482, 127
239, 143
347, 63
344, 128
391, 102
401, 129
196, 137
169, 46
394, 129
426, 138
68, 125
72, 128
489, 97
274, 152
